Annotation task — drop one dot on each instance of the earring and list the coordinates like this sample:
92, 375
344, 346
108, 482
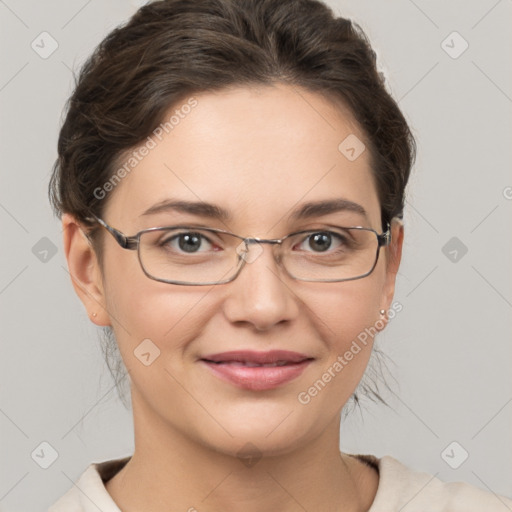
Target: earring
382, 312
94, 314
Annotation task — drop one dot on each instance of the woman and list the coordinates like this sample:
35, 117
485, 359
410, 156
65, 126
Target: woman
231, 181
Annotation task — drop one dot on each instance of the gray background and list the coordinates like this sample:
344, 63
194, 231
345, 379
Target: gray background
451, 344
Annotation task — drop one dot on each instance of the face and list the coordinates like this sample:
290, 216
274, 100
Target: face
259, 154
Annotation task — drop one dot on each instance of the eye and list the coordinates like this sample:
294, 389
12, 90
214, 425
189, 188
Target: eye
322, 241
188, 241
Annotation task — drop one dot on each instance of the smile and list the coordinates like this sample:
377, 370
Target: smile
257, 371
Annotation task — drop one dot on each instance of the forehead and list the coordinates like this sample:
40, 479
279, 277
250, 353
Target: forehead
258, 152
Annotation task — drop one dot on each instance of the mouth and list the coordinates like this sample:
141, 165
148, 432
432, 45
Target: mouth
257, 371
252, 364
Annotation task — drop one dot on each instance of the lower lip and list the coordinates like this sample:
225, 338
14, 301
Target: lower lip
257, 378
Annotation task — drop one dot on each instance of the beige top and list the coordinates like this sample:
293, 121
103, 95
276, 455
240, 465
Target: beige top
400, 488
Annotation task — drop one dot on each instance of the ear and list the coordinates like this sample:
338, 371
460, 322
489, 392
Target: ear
84, 270
393, 258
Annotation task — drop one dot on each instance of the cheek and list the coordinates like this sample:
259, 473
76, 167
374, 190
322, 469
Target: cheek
142, 308
342, 311
347, 318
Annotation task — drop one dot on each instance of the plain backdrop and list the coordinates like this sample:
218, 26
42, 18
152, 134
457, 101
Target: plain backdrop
451, 343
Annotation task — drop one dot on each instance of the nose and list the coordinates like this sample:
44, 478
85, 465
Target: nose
261, 295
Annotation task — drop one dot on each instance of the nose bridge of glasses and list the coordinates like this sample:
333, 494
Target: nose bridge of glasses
256, 240
251, 255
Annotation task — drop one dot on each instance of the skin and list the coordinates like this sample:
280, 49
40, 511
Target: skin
258, 153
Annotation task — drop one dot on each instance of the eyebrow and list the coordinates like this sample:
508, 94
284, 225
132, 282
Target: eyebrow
213, 211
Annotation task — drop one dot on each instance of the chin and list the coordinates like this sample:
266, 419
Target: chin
264, 437
256, 447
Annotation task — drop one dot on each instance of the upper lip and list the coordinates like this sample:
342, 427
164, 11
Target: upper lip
272, 356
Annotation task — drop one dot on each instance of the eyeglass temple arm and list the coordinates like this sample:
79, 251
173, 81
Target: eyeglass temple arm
385, 238
126, 242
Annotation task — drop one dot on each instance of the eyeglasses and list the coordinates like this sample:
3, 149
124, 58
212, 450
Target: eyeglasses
189, 255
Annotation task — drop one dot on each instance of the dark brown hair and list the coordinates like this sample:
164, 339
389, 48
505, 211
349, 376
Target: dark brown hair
172, 49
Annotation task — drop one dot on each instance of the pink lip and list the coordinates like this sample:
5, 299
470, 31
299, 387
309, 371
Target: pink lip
230, 366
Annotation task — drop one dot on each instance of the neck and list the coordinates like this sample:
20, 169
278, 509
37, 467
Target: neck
169, 469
